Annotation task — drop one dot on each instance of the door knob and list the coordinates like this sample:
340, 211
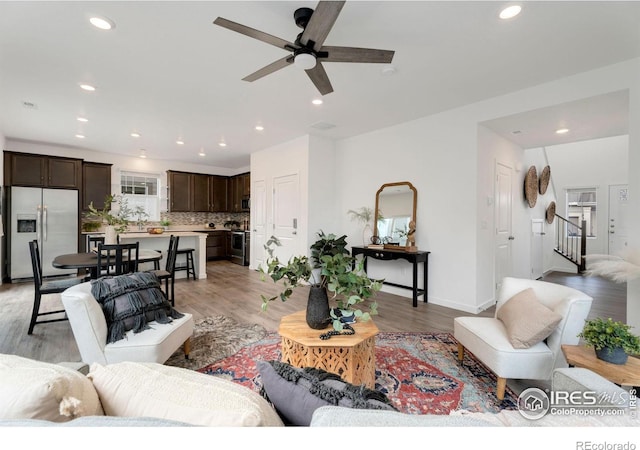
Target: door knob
511, 238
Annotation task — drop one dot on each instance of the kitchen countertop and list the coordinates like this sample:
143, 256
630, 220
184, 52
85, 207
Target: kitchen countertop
177, 231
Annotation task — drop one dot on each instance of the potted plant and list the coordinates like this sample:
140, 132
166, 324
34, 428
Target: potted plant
364, 216
612, 341
329, 270
114, 217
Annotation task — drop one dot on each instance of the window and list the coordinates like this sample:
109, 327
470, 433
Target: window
582, 205
141, 189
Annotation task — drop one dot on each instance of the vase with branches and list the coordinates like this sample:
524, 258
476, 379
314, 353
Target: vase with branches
363, 215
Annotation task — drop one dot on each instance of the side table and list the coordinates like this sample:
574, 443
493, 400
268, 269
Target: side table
352, 357
622, 374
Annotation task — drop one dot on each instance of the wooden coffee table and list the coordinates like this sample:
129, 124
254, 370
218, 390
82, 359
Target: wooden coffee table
623, 374
352, 357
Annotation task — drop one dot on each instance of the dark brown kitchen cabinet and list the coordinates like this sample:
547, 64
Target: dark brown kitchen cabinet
180, 191
239, 189
217, 245
26, 169
96, 184
200, 192
218, 193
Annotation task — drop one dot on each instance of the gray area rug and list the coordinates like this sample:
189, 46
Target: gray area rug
215, 338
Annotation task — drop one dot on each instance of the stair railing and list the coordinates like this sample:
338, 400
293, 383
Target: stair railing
571, 241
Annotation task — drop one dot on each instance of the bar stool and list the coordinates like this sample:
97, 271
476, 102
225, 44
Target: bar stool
189, 266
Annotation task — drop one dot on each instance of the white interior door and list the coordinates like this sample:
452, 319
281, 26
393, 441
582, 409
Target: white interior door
504, 236
618, 218
286, 213
537, 242
258, 222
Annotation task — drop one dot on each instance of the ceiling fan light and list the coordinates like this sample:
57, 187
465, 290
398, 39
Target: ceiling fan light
305, 61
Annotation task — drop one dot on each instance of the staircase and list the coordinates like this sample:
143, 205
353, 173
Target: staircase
571, 242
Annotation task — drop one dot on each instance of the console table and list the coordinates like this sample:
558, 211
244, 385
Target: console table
414, 258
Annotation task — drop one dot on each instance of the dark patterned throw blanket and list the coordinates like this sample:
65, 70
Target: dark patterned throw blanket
130, 302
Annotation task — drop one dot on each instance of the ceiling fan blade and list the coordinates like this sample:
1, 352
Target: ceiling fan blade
357, 55
320, 79
266, 70
256, 34
321, 22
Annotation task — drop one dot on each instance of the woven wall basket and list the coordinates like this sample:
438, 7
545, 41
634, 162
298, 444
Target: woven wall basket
551, 212
531, 186
544, 179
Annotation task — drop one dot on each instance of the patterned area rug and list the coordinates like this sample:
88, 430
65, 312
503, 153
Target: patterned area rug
215, 338
419, 372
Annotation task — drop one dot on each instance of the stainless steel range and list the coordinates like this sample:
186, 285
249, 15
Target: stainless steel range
240, 248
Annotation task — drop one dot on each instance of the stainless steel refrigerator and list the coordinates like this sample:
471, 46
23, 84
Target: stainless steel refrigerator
51, 217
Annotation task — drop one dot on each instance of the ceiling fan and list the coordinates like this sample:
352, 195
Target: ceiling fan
307, 50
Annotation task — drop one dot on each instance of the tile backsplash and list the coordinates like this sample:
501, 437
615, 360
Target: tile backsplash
195, 218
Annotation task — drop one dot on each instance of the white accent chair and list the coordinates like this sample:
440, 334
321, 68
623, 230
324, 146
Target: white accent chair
486, 337
89, 328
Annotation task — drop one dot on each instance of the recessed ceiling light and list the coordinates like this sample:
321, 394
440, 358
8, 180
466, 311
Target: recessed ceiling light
317, 101
180, 142
259, 128
87, 87
510, 11
562, 130
388, 70
135, 134
102, 22
143, 153
201, 152
82, 119
80, 136
222, 144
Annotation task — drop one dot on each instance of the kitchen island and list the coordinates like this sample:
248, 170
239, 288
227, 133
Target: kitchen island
188, 239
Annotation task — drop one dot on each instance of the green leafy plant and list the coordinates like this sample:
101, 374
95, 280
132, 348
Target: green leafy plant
363, 214
108, 216
330, 267
165, 222
600, 333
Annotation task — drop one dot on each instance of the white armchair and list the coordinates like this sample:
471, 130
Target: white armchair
89, 327
488, 340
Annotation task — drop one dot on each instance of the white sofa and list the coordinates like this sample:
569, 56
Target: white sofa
140, 394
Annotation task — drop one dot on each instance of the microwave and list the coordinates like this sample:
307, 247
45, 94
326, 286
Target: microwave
246, 203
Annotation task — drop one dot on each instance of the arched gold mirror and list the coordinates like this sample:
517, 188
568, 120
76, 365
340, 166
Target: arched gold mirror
395, 209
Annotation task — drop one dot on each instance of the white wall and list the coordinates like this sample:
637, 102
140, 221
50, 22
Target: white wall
440, 155
595, 163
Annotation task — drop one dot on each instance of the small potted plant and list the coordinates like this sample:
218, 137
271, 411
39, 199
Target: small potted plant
113, 215
612, 341
330, 269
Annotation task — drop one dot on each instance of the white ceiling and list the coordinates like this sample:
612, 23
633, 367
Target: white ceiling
167, 72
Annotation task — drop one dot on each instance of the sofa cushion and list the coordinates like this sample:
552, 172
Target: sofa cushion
297, 393
526, 320
131, 389
130, 301
32, 389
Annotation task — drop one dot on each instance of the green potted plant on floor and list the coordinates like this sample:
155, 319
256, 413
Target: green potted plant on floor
330, 269
612, 341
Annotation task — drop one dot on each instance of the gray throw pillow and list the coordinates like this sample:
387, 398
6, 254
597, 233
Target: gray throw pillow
296, 393
130, 301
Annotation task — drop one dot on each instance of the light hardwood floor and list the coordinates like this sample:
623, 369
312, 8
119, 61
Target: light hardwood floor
235, 291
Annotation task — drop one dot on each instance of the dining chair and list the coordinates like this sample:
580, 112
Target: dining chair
117, 259
45, 287
168, 274
92, 246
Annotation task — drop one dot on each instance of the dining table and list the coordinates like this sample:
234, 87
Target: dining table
89, 260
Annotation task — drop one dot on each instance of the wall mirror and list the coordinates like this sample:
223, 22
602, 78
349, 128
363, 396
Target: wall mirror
395, 208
